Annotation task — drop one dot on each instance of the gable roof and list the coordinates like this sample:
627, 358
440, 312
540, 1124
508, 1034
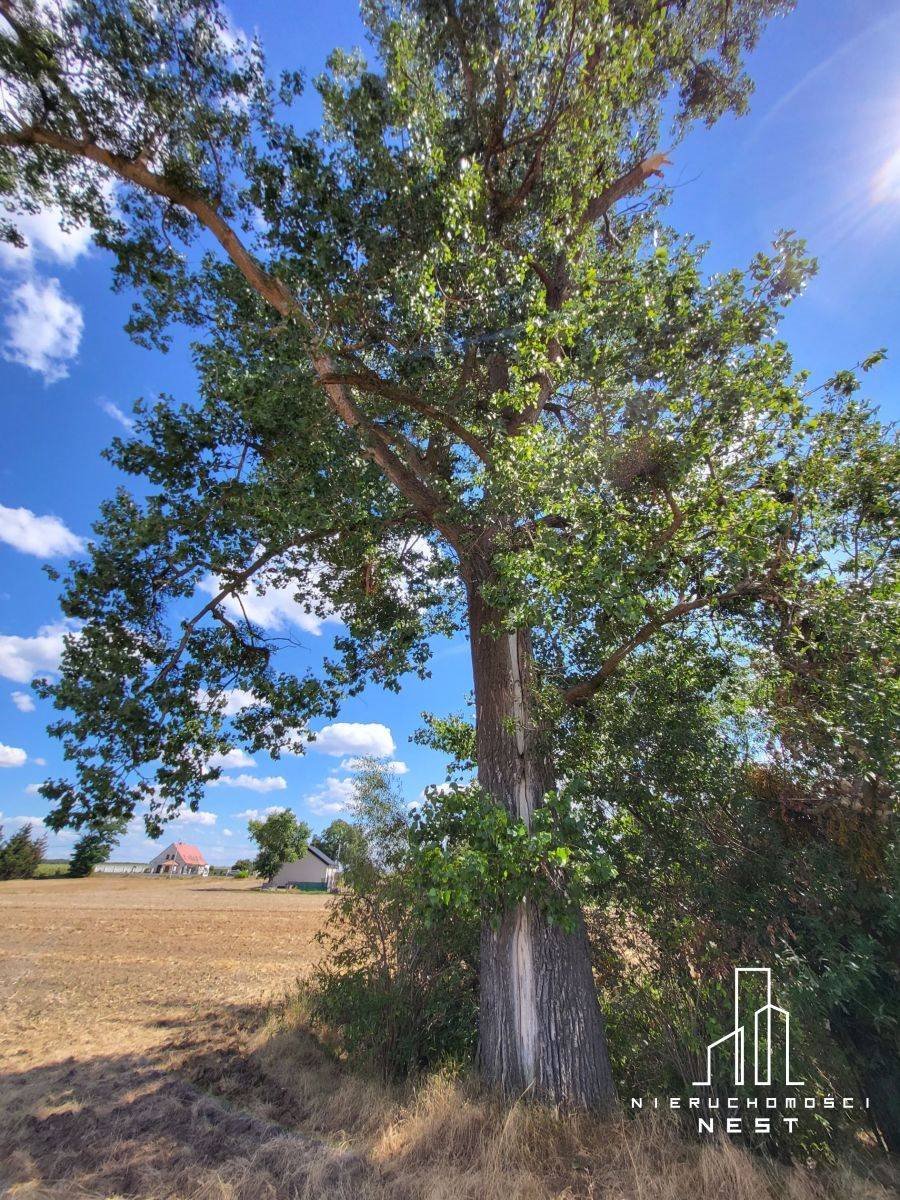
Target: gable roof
190, 854
321, 855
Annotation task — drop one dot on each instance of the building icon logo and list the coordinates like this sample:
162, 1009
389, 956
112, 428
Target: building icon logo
765, 1023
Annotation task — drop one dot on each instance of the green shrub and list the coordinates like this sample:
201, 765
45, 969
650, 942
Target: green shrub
22, 854
395, 994
397, 989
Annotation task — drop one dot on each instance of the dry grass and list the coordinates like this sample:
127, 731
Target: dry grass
139, 1059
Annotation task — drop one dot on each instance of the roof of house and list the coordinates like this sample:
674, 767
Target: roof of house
321, 855
190, 854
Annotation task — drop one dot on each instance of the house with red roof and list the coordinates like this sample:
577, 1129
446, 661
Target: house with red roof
179, 859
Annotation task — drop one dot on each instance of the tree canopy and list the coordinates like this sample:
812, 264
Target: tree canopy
344, 842
281, 839
454, 371
444, 294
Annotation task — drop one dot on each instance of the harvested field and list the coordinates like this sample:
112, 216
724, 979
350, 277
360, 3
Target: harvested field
106, 985
107, 964
147, 1051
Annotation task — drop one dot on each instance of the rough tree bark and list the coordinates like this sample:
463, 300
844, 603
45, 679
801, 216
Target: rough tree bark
541, 1031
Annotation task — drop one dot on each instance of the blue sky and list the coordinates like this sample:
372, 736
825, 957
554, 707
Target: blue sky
818, 153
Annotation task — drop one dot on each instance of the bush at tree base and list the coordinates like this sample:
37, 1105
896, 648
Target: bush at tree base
397, 994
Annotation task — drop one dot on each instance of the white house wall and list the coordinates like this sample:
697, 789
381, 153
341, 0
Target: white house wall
308, 869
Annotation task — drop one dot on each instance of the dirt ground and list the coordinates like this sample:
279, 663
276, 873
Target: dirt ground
112, 983
98, 965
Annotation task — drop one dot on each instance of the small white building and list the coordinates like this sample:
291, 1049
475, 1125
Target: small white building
179, 859
315, 871
120, 868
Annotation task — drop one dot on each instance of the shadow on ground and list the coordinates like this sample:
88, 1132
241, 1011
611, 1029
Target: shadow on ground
150, 1126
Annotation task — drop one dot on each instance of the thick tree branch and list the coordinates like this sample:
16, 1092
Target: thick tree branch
669, 532
271, 289
135, 171
630, 182
465, 62
545, 381
369, 381
583, 691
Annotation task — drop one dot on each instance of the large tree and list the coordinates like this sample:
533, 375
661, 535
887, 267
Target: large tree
343, 842
453, 372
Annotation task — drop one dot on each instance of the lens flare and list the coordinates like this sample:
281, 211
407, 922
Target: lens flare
886, 183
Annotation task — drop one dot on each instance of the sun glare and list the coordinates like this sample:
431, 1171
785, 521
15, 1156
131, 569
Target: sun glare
886, 184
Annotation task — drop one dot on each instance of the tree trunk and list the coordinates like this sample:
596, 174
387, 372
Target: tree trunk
540, 1028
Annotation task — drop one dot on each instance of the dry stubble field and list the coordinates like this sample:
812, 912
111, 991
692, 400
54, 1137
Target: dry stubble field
112, 991
149, 1049
114, 964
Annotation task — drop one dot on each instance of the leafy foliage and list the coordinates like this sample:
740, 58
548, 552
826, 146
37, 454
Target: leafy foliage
94, 847
281, 838
380, 816
722, 859
469, 854
394, 992
344, 842
21, 854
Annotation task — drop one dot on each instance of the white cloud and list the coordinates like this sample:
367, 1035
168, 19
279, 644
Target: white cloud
39, 762
232, 760
43, 328
186, 817
21, 658
334, 796
12, 756
44, 537
268, 783
254, 814
277, 607
227, 833
37, 824
113, 410
354, 738
393, 766
235, 699
46, 238
33, 789
23, 702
